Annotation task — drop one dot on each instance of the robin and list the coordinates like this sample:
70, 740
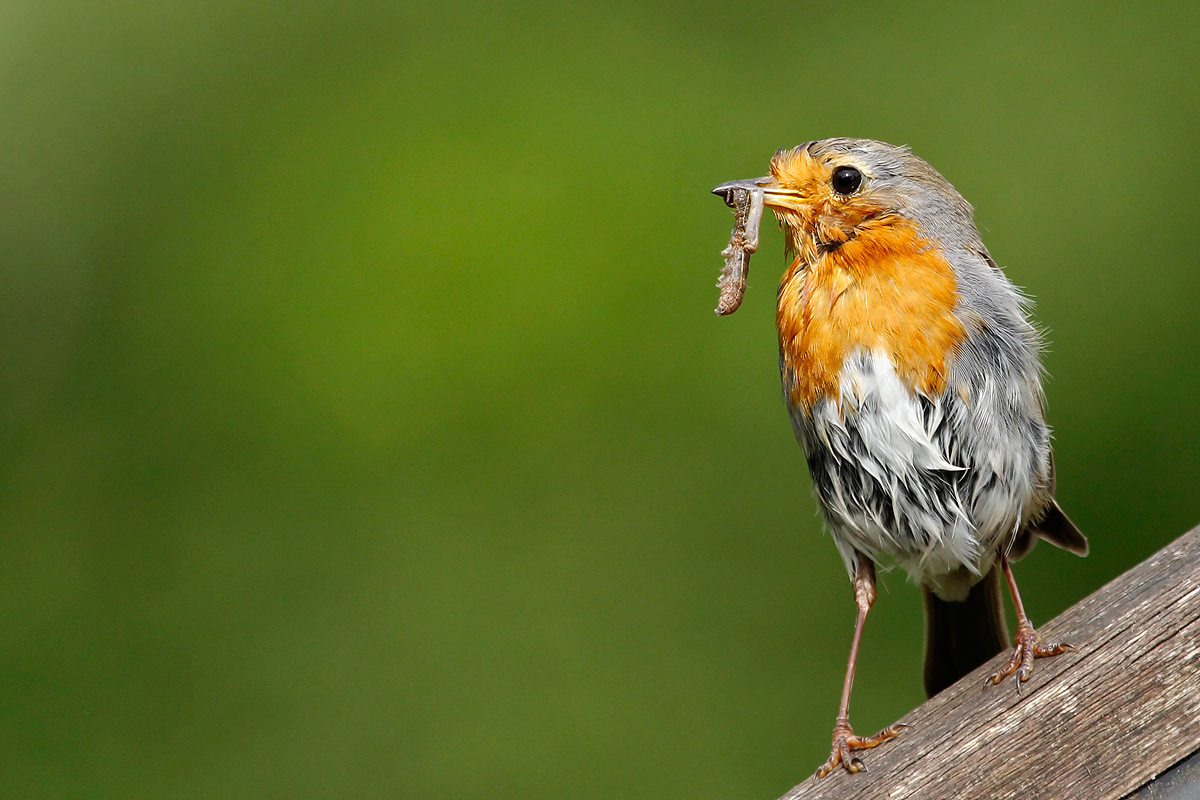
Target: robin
912, 376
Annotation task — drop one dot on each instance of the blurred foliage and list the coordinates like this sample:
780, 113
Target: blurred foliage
367, 430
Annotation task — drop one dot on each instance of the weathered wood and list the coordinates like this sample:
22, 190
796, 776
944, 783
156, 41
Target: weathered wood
1097, 723
1180, 782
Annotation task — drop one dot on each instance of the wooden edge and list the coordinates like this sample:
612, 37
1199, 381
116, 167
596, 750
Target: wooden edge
1096, 723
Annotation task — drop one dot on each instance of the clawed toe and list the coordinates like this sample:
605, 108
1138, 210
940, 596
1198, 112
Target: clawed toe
845, 742
1026, 649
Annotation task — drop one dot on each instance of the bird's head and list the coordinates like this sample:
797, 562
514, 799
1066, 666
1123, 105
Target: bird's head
879, 239
830, 192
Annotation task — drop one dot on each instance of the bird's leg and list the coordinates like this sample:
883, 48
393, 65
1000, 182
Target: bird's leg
1027, 647
844, 740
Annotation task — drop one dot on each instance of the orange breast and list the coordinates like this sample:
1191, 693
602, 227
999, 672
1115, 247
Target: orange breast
886, 289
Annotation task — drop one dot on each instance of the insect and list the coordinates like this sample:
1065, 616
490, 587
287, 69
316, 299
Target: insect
746, 200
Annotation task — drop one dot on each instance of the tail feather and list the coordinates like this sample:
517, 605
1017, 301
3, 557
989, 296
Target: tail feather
961, 636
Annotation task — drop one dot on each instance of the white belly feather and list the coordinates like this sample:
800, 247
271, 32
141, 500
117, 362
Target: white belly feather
886, 468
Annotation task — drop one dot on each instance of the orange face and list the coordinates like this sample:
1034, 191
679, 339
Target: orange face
863, 276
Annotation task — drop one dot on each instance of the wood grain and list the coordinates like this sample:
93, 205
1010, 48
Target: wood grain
1097, 723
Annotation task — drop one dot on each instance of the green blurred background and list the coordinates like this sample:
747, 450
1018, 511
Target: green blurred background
367, 430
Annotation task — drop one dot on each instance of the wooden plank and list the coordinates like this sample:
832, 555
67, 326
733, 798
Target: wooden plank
1180, 782
1097, 723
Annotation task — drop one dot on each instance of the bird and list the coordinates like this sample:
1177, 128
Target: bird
912, 375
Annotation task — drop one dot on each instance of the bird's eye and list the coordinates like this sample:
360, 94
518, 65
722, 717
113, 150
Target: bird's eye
846, 180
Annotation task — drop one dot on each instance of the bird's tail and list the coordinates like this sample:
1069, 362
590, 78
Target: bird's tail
961, 636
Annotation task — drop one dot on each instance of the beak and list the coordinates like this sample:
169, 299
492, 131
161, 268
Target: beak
751, 185
745, 197
774, 196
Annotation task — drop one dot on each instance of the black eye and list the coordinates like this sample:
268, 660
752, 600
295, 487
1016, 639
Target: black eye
846, 180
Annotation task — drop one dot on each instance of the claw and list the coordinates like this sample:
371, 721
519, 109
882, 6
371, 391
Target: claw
1026, 649
844, 741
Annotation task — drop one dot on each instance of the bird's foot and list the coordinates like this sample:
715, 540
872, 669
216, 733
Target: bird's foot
844, 741
1026, 650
